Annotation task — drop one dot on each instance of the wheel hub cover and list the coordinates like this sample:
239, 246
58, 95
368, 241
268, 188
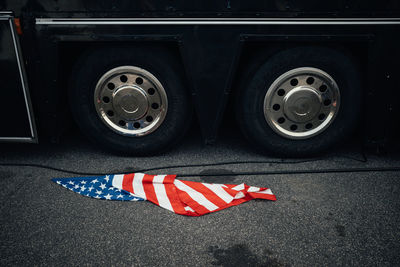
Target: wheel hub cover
130, 102
301, 104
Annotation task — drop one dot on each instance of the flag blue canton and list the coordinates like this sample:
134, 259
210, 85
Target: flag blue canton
99, 187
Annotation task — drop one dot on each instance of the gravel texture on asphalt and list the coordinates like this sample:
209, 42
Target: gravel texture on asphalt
318, 219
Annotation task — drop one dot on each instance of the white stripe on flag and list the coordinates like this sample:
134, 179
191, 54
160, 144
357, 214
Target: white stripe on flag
138, 185
253, 189
161, 193
219, 191
238, 187
196, 196
239, 195
187, 208
266, 191
117, 181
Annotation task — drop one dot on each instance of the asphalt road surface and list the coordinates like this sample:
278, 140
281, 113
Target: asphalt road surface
349, 218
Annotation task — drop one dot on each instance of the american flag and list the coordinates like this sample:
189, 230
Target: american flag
179, 196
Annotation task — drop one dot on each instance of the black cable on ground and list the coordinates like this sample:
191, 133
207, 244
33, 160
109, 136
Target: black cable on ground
334, 170
229, 163
49, 168
178, 166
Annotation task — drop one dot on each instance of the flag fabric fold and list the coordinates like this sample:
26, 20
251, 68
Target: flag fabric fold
179, 196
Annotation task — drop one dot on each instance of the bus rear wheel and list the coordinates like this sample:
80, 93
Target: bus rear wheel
130, 100
300, 101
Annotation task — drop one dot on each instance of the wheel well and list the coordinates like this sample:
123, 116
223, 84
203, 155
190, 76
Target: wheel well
298, 82
259, 52
70, 52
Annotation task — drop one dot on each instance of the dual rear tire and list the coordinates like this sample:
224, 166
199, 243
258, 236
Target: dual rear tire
298, 102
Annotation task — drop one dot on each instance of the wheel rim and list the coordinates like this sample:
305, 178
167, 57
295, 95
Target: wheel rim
130, 101
301, 103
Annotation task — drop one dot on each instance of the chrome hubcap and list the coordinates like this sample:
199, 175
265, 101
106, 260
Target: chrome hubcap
301, 103
130, 101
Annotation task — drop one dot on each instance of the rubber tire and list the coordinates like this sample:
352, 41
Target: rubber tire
261, 75
93, 64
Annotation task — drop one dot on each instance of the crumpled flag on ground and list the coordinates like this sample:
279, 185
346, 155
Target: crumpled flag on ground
179, 196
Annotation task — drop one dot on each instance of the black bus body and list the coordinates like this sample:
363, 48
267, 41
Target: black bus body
194, 56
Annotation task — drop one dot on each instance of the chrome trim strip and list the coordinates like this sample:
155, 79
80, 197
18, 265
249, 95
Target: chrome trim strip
24, 85
17, 139
217, 21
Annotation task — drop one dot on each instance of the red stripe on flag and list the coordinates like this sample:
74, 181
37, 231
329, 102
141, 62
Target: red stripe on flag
149, 188
251, 195
207, 193
262, 195
172, 193
188, 201
169, 179
127, 182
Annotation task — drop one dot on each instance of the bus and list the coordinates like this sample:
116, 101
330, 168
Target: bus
302, 76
